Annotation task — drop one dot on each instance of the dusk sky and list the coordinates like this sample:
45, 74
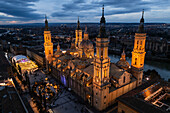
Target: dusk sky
64, 11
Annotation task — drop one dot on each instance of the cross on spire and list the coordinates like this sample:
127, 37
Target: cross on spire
103, 11
46, 23
102, 33
78, 24
143, 13
141, 26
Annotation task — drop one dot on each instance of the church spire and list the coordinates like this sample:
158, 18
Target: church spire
123, 55
103, 11
58, 47
83, 55
46, 24
141, 26
86, 36
102, 33
78, 24
142, 19
85, 29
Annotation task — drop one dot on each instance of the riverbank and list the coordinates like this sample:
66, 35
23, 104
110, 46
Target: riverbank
153, 58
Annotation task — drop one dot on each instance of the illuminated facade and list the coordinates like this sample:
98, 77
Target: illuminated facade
94, 78
78, 33
138, 53
48, 45
25, 64
101, 67
122, 63
58, 52
86, 46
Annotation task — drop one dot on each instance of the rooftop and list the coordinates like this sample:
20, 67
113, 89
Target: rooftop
4, 65
142, 98
10, 99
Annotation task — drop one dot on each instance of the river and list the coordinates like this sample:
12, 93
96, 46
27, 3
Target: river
162, 68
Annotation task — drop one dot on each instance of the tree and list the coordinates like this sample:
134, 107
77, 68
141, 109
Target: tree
40, 95
44, 102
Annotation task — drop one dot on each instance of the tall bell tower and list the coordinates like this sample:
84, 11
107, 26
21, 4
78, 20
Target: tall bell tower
101, 68
48, 45
138, 53
78, 34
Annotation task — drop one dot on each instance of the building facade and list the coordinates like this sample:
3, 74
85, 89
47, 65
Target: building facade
48, 45
138, 53
95, 79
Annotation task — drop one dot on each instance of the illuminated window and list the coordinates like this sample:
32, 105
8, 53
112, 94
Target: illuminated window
141, 62
97, 73
140, 47
101, 52
106, 53
97, 52
135, 61
137, 42
105, 73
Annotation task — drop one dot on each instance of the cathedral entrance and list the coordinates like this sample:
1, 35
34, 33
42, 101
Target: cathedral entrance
63, 80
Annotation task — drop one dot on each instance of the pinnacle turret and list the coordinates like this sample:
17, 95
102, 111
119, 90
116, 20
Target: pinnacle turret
141, 26
78, 24
102, 33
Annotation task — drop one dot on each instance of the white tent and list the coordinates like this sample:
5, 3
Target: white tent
19, 57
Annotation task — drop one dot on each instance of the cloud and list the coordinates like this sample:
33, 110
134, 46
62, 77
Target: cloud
20, 10
128, 6
88, 10
92, 8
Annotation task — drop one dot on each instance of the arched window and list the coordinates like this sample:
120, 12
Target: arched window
97, 73
141, 61
124, 78
135, 61
97, 52
101, 52
137, 44
105, 73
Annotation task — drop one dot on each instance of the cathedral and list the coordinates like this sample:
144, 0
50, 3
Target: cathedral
94, 78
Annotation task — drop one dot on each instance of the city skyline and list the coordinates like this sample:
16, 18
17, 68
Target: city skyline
67, 11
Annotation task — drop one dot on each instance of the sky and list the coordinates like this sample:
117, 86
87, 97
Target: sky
67, 11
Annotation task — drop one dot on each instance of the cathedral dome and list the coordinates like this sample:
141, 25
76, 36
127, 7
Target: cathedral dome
58, 52
86, 44
122, 63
